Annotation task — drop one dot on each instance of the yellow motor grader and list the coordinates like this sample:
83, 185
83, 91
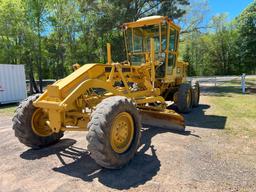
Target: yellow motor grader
112, 100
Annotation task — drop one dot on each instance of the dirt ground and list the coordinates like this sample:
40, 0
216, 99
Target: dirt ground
204, 158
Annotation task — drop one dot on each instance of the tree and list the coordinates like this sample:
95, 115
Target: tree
174, 9
16, 37
11, 31
36, 11
50, 36
104, 18
247, 38
61, 43
212, 52
194, 18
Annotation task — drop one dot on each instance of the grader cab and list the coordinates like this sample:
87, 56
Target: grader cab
112, 100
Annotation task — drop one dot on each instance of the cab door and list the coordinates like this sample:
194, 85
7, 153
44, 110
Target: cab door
172, 55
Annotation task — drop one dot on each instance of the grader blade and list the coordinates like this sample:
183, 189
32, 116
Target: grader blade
167, 119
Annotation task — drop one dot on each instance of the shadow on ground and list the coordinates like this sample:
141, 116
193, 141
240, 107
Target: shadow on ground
141, 169
221, 91
58, 149
5, 106
198, 118
226, 91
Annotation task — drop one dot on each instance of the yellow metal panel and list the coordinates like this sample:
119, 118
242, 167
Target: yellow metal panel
88, 71
49, 104
109, 53
150, 100
141, 23
55, 119
54, 91
75, 75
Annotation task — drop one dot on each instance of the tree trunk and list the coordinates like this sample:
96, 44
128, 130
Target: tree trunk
40, 74
32, 84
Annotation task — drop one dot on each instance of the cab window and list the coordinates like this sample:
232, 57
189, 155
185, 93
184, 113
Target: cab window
173, 39
171, 60
163, 37
138, 43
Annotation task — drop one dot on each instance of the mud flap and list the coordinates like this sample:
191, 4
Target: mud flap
167, 119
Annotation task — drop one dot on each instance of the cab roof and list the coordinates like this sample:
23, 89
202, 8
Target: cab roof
151, 20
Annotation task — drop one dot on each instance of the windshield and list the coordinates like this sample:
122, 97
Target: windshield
138, 42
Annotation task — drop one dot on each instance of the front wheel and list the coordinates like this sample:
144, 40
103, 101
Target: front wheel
114, 132
29, 124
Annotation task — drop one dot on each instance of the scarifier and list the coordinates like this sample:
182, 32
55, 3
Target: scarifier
112, 100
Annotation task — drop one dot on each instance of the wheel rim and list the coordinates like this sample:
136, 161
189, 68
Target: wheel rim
39, 125
189, 98
122, 132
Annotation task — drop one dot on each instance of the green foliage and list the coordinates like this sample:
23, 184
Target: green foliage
12, 31
50, 36
247, 38
227, 48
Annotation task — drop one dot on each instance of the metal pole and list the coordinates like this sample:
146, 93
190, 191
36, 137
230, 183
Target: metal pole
243, 83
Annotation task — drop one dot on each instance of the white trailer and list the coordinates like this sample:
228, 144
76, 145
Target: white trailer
12, 83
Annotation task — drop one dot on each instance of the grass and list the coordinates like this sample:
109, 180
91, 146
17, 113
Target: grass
250, 82
240, 109
7, 110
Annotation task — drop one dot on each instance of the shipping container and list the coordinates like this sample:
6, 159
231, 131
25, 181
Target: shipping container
12, 83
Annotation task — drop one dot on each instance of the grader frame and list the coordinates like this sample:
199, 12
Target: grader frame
65, 100
150, 76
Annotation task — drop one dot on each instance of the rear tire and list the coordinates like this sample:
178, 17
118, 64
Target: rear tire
23, 127
196, 94
100, 132
184, 98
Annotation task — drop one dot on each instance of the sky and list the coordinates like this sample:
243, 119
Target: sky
232, 7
